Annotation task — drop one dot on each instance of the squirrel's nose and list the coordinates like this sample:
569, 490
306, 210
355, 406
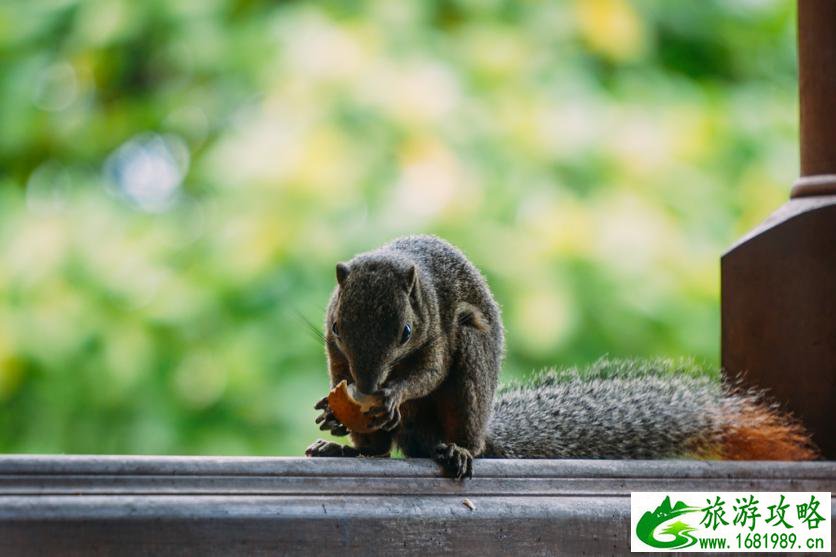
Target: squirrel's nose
368, 375
366, 385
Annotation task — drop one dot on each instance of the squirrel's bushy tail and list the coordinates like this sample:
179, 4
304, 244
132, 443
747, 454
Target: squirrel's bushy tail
644, 409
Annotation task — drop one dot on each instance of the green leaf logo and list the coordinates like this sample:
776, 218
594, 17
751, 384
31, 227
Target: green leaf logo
680, 531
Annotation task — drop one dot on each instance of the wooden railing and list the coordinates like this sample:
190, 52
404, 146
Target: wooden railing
64, 505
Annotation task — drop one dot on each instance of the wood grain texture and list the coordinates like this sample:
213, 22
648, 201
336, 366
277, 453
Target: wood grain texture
224, 506
816, 86
779, 312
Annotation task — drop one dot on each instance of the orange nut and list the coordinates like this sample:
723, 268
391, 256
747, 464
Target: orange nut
348, 406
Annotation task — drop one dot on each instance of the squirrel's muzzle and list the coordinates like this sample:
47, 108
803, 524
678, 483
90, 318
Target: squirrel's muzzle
366, 387
368, 378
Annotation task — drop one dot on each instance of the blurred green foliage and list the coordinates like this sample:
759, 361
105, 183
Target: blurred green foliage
178, 179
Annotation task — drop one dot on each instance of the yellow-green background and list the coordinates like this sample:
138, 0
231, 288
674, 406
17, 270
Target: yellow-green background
593, 157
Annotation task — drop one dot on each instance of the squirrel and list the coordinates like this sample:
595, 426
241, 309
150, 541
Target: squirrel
415, 324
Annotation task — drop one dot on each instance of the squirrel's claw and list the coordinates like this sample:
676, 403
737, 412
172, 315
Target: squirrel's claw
328, 422
387, 414
321, 447
456, 461
339, 431
393, 423
386, 421
334, 427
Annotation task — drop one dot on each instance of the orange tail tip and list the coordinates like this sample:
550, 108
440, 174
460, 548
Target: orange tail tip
757, 432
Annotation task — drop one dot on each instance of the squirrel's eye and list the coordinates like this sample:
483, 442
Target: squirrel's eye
334, 329
407, 332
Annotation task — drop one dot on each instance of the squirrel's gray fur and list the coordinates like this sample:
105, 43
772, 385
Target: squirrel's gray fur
615, 409
437, 388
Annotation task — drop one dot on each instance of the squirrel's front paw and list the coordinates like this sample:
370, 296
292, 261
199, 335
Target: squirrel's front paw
456, 461
385, 415
328, 421
321, 447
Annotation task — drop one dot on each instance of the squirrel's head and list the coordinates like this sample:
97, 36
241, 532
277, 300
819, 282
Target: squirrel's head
376, 316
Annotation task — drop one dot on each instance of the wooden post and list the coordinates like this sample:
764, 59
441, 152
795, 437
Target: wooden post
779, 281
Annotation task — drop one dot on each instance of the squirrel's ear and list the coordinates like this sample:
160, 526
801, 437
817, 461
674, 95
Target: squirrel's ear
471, 316
342, 273
411, 279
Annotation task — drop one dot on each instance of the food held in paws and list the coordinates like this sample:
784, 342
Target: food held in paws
349, 405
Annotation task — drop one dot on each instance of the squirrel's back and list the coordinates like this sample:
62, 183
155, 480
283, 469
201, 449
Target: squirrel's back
640, 409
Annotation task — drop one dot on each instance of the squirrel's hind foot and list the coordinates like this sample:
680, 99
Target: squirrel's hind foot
456, 461
321, 447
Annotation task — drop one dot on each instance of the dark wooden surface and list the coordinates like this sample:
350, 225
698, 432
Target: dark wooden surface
778, 301
816, 86
225, 506
778, 284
